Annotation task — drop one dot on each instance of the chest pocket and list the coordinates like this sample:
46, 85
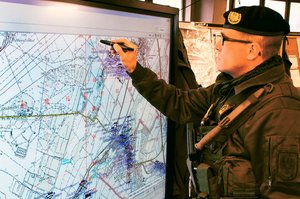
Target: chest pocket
282, 154
237, 178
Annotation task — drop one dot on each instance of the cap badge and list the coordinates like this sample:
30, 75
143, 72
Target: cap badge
234, 17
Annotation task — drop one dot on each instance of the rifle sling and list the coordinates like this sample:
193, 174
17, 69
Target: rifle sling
226, 121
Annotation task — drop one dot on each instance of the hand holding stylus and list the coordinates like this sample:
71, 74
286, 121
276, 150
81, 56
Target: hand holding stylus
128, 58
123, 46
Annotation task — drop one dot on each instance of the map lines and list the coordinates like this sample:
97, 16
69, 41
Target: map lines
72, 125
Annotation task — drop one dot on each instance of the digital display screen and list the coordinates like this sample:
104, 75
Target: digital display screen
71, 123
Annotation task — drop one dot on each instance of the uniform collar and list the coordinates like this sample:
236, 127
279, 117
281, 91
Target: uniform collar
267, 72
271, 75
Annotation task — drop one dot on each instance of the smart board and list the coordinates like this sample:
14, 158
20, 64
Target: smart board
71, 123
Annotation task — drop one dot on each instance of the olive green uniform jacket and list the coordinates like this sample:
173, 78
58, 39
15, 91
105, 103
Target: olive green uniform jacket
269, 139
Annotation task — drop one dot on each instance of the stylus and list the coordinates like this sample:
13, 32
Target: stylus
110, 43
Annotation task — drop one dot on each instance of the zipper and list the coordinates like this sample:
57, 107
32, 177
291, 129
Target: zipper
270, 163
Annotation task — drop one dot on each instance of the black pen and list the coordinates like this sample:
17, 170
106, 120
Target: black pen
122, 45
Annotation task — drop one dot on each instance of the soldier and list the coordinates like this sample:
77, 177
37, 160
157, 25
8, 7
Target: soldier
257, 155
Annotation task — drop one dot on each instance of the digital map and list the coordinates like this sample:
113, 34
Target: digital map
71, 123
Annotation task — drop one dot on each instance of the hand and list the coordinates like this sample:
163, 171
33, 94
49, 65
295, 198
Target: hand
128, 58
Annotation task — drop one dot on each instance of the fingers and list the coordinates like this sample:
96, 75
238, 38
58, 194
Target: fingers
125, 42
128, 58
117, 49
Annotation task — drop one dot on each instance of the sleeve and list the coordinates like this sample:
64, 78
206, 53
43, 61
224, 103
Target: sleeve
178, 105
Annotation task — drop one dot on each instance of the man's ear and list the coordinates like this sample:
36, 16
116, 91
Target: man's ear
254, 51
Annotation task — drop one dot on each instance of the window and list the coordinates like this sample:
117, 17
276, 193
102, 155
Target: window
294, 17
172, 3
246, 3
278, 6
284, 7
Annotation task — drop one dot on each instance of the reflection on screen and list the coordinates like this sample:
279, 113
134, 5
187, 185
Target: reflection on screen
71, 123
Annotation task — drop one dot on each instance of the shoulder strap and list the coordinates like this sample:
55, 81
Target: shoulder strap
225, 123
194, 154
273, 92
229, 124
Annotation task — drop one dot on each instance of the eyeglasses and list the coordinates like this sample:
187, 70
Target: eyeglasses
224, 38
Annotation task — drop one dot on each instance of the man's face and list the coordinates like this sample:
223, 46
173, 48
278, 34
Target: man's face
232, 53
